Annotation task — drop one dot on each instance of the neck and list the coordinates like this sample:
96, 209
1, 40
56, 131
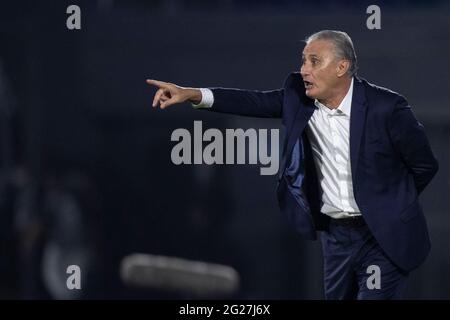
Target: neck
338, 95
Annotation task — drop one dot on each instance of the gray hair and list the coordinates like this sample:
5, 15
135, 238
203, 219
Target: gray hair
343, 46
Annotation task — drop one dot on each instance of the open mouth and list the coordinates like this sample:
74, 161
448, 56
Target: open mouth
308, 85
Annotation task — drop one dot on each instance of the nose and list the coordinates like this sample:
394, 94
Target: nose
304, 71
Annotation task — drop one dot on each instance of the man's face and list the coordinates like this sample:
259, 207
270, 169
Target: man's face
319, 69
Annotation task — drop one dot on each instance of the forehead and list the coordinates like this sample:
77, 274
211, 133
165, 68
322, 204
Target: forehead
318, 48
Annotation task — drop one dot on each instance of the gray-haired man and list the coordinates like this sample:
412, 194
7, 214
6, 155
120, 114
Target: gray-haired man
355, 161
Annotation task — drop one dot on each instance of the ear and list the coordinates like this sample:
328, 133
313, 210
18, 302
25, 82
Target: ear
342, 67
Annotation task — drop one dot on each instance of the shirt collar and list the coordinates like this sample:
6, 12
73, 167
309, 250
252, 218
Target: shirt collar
345, 106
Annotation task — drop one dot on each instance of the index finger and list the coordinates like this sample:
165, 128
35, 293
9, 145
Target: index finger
159, 84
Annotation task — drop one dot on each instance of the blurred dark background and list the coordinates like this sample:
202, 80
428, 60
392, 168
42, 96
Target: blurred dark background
85, 170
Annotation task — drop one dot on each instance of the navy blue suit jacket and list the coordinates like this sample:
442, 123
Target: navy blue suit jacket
391, 162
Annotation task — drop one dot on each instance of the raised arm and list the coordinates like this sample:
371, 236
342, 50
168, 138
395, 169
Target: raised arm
265, 104
252, 103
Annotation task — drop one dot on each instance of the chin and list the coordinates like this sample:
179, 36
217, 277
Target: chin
310, 94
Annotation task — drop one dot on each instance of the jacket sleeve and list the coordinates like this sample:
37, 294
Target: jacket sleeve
410, 141
252, 103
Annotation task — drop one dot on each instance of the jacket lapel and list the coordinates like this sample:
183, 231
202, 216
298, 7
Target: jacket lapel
304, 109
357, 122
300, 122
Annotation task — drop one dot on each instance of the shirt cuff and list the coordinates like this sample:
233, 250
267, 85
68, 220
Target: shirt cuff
207, 99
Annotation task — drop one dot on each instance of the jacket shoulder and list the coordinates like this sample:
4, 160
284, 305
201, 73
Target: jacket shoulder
376, 94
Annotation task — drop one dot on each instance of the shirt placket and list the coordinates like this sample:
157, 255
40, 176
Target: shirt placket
339, 149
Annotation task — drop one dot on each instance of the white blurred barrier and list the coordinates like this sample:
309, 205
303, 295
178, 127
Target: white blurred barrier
179, 275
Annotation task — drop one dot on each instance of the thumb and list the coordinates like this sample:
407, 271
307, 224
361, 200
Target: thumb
169, 102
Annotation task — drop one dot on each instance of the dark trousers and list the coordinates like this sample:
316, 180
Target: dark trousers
355, 266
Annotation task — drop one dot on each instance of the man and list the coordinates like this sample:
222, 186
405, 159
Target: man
354, 162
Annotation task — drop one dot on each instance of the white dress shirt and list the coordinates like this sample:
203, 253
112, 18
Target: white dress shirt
329, 134
328, 131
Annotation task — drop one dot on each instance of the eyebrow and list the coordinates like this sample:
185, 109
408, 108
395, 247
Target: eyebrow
311, 56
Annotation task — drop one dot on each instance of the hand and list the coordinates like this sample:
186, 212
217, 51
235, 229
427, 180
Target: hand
169, 94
